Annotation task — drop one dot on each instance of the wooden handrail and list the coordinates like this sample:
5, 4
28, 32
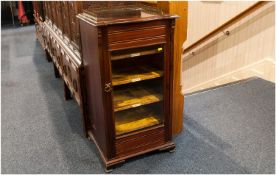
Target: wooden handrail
233, 20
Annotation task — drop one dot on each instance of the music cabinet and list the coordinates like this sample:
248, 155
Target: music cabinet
128, 71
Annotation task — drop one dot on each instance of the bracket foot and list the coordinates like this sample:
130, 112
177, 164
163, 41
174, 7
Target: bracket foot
108, 170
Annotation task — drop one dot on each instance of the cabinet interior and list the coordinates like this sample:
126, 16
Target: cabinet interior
134, 119
137, 79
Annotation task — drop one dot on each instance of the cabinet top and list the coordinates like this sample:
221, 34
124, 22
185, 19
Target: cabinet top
127, 13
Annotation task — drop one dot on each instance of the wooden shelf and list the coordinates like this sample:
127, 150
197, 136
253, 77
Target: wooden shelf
135, 74
136, 119
135, 96
136, 53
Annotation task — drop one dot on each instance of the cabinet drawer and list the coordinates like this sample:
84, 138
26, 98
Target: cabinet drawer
135, 26
137, 43
141, 141
130, 36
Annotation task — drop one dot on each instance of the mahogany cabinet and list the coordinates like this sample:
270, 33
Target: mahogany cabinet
128, 71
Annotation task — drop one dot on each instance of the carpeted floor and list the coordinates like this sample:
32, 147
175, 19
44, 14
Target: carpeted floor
227, 130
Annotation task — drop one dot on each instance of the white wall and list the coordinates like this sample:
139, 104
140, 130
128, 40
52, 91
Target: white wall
204, 16
250, 42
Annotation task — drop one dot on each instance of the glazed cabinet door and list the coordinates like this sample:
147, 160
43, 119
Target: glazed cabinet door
140, 60
138, 88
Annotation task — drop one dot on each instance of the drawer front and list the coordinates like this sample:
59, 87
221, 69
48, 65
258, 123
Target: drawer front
136, 35
139, 142
137, 43
129, 35
135, 26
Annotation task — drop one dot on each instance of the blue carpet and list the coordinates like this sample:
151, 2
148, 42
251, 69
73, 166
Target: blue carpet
227, 130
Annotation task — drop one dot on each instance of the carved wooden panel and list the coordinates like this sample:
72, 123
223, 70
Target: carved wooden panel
65, 18
48, 11
35, 6
44, 9
54, 12
59, 15
51, 16
41, 10
74, 9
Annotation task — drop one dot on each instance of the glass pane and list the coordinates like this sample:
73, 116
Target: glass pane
138, 118
105, 11
137, 88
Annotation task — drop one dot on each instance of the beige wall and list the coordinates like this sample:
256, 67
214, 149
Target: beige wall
247, 51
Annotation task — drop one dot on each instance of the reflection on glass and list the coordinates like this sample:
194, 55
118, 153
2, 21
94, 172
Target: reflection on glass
137, 79
138, 118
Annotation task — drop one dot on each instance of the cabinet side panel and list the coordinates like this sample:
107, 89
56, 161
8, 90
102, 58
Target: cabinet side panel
93, 86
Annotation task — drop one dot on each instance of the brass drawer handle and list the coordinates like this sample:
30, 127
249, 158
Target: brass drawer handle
107, 87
